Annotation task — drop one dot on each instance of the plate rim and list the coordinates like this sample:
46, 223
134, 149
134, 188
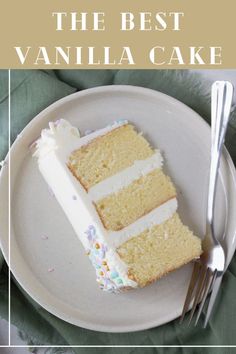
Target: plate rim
90, 91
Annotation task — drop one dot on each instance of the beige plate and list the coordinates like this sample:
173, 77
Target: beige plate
70, 291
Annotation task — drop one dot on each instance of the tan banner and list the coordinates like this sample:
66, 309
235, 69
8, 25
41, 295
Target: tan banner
124, 34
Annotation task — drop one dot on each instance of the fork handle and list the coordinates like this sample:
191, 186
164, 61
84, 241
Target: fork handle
221, 100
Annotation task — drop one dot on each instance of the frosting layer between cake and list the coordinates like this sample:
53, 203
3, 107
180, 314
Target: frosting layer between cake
123, 178
155, 217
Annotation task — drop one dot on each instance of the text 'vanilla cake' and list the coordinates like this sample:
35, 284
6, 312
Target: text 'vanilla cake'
121, 204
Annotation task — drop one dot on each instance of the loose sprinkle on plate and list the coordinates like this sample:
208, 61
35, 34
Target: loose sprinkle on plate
43, 237
50, 270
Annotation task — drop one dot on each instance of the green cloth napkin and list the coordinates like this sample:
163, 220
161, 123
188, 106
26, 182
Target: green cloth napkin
32, 91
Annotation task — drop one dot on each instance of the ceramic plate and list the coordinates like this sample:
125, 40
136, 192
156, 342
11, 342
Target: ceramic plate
69, 290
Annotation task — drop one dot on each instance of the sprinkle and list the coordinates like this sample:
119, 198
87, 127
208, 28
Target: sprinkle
50, 270
43, 237
74, 197
92, 230
109, 280
114, 275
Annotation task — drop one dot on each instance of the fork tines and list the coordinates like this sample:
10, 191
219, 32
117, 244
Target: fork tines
202, 281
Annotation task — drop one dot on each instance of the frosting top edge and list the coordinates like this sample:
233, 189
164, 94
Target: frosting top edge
61, 132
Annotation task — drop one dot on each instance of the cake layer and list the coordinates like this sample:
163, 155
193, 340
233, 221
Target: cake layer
121, 209
106, 155
155, 217
125, 177
159, 250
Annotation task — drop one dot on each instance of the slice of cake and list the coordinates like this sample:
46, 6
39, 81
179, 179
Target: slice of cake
121, 204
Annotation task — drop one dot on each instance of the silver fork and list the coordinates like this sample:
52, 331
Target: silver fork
209, 269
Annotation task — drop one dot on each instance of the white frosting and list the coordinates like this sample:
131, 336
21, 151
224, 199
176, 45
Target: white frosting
114, 260
52, 151
155, 217
58, 135
125, 177
62, 134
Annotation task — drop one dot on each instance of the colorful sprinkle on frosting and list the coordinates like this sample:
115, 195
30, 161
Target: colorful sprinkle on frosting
108, 278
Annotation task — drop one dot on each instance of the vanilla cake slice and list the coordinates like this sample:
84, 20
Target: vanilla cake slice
121, 204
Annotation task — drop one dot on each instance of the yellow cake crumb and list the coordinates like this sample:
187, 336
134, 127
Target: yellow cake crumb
108, 154
159, 250
121, 209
